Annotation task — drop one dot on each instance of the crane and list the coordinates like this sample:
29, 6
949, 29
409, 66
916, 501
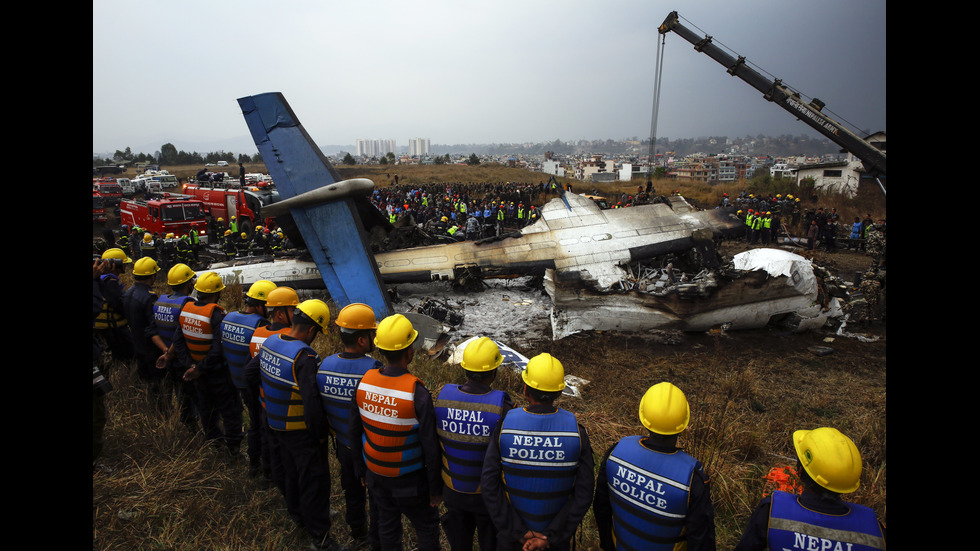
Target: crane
774, 91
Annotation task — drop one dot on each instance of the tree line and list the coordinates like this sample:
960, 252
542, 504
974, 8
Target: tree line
169, 155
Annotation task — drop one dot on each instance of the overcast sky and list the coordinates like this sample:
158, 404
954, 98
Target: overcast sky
472, 71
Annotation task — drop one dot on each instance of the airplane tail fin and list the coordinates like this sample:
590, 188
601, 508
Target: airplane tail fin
332, 231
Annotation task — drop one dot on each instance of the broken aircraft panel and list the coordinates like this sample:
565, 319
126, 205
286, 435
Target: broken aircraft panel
760, 285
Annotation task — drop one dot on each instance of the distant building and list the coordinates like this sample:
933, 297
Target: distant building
418, 147
843, 177
374, 148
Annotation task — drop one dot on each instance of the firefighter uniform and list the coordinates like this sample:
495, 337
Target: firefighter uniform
111, 324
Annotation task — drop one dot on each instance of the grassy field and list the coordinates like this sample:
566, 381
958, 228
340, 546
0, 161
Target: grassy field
748, 390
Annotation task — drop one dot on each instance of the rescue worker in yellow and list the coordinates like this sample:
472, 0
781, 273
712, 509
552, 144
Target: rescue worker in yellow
336, 379
281, 303
197, 344
393, 419
293, 410
236, 331
111, 324
538, 475
829, 464
649, 493
466, 416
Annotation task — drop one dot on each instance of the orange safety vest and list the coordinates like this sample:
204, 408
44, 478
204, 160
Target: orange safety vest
391, 430
195, 324
260, 335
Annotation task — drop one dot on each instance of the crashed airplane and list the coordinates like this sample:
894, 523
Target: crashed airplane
640, 268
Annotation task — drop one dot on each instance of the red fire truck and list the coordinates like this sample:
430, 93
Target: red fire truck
168, 214
245, 204
109, 189
98, 208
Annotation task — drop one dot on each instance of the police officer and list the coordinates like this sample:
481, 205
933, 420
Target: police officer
337, 378
198, 345
392, 415
111, 324
281, 303
166, 315
538, 474
148, 345
829, 465
676, 510
466, 416
295, 415
236, 331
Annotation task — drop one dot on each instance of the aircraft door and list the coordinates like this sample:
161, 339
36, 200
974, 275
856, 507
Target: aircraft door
231, 206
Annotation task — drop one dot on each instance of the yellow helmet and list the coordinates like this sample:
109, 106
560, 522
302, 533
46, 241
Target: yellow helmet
220, 219
830, 458
244, 235
210, 282
147, 237
316, 310
180, 273
170, 235
544, 373
664, 409
145, 266
227, 233
258, 228
357, 316
260, 290
482, 355
116, 252
395, 333
282, 296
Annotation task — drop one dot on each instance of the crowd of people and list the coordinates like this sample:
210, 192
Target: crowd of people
511, 477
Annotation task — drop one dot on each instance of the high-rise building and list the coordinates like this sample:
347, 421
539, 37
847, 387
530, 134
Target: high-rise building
374, 148
418, 147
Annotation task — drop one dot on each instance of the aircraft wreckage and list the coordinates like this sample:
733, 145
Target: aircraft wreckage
634, 269
645, 267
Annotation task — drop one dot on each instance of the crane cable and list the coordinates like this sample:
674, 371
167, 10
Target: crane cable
658, 73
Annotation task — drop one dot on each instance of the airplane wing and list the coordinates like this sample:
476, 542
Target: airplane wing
333, 231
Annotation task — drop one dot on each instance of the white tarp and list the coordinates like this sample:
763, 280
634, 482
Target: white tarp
777, 262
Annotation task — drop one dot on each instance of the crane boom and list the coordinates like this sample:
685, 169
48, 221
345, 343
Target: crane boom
774, 91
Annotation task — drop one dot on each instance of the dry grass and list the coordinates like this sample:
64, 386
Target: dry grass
748, 392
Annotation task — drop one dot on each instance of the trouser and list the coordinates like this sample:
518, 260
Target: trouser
355, 498
188, 402
154, 380
272, 449
466, 514
119, 341
221, 410
408, 495
253, 436
307, 480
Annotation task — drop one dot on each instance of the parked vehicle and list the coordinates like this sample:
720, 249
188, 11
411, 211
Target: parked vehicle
168, 214
109, 189
98, 208
243, 203
128, 190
